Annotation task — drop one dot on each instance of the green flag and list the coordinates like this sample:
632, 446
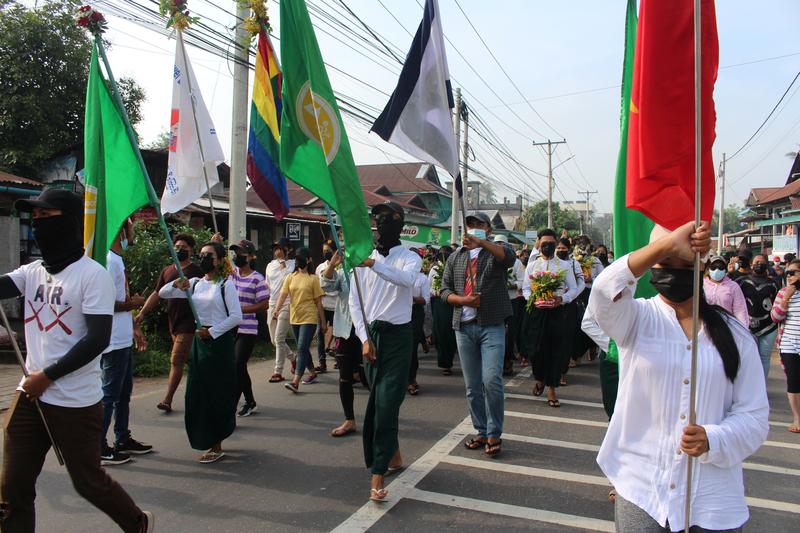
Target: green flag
315, 152
115, 184
631, 228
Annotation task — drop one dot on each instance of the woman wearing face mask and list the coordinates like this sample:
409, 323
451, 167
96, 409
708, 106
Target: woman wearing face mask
601, 253
211, 386
722, 291
254, 298
644, 453
304, 291
573, 310
547, 332
786, 312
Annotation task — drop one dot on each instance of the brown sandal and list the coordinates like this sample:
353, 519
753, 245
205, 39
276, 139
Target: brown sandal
474, 444
164, 406
538, 389
493, 448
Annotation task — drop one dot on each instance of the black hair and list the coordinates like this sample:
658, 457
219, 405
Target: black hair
547, 232
304, 253
185, 237
718, 323
565, 242
219, 249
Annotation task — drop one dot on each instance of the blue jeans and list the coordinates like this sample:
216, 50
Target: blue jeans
117, 376
765, 344
481, 350
304, 333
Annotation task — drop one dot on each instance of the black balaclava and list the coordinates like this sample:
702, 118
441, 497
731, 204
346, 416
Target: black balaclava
389, 229
59, 239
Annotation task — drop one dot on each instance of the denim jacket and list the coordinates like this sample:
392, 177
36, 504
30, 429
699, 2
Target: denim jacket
342, 323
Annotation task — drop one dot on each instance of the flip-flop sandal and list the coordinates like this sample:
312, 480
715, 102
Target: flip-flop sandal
475, 444
413, 389
553, 403
794, 429
378, 495
211, 457
276, 378
447, 372
493, 448
392, 470
562, 382
538, 389
339, 432
163, 406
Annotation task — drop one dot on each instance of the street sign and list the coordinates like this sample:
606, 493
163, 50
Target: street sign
531, 234
293, 231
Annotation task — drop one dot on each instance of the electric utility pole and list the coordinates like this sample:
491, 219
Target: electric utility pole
586, 207
720, 234
551, 148
454, 203
237, 193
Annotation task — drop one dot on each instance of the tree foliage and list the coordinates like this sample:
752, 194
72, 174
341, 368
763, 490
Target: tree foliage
535, 218
732, 222
161, 141
44, 66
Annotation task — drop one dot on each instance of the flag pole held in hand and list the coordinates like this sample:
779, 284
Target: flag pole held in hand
21, 362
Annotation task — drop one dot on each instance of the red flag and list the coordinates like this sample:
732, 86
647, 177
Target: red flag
661, 143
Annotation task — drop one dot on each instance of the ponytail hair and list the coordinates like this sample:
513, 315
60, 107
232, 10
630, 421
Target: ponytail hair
716, 322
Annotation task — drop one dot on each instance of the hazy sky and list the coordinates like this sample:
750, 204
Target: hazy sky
565, 57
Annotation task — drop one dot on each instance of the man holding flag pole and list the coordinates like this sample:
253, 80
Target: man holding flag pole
664, 431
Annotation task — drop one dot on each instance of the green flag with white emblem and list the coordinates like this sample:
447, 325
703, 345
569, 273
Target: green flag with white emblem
315, 152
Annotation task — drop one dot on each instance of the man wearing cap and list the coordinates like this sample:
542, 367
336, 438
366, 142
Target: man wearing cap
515, 277
386, 282
277, 271
740, 266
69, 308
475, 283
254, 298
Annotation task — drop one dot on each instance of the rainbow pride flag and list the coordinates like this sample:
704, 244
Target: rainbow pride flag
263, 145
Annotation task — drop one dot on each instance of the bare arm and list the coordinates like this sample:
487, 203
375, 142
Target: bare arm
279, 305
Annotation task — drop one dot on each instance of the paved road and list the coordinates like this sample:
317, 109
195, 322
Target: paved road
284, 473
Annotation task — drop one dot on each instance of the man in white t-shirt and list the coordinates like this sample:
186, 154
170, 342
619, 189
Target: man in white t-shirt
117, 361
69, 303
277, 271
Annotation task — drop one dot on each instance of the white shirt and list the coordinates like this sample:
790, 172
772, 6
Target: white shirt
641, 454
553, 264
422, 287
329, 299
207, 300
276, 273
55, 305
122, 325
469, 314
518, 276
580, 280
386, 288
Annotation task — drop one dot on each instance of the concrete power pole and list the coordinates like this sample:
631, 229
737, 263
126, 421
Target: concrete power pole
551, 148
464, 169
454, 204
720, 234
586, 206
237, 214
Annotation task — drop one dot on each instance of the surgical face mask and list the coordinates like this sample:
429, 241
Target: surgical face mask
207, 263
240, 260
478, 233
674, 284
183, 255
563, 255
547, 248
716, 274
123, 243
736, 266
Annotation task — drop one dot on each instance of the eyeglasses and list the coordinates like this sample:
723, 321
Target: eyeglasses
792, 272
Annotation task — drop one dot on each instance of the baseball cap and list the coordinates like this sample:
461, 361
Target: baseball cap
501, 238
243, 245
67, 201
388, 205
283, 242
480, 217
716, 259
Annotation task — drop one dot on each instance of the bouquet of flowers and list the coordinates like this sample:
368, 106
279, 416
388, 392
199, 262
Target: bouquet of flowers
436, 281
511, 280
91, 19
545, 286
586, 260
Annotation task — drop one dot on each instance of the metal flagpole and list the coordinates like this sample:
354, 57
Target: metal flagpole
151, 193
21, 362
698, 168
197, 131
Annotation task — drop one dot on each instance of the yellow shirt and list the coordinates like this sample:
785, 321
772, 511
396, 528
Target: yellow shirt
303, 289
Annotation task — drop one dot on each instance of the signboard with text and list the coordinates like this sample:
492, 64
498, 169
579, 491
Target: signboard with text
293, 231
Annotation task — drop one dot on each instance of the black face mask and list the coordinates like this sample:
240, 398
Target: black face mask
183, 255
563, 255
240, 261
301, 262
547, 249
760, 268
207, 263
674, 284
389, 229
603, 259
327, 256
59, 240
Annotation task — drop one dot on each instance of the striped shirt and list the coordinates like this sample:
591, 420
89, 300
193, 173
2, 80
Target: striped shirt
251, 289
789, 332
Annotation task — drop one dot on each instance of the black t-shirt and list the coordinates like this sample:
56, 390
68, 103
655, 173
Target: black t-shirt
179, 313
759, 292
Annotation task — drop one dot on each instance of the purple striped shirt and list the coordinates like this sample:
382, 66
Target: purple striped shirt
251, 289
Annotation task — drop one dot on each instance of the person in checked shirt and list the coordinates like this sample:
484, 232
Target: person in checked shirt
650, 438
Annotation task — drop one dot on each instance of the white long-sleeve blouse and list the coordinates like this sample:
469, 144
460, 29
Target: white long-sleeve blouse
207, 300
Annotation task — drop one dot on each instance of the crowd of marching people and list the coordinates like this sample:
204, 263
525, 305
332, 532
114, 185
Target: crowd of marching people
547, 307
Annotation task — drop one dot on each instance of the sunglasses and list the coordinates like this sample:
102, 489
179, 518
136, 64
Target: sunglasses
792, 272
